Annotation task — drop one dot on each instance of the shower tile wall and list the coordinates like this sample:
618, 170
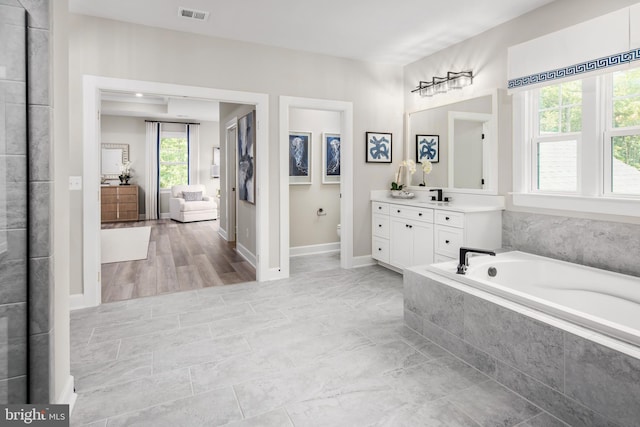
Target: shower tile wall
25, 203
601, 244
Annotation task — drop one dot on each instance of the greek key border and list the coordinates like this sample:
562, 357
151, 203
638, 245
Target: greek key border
572, 70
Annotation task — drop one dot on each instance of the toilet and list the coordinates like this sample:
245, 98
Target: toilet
338, 230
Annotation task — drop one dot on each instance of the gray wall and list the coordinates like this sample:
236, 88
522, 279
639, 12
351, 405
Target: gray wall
26, 276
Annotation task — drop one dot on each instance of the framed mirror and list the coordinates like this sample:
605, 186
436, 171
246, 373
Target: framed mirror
112, 156
467, 148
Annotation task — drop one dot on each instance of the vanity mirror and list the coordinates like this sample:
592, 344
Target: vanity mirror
468, 145
112, 157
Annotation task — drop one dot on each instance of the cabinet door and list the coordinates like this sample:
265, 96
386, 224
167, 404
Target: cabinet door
422, 247
400, 243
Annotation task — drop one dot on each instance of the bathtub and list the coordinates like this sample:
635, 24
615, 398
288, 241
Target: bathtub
599, 300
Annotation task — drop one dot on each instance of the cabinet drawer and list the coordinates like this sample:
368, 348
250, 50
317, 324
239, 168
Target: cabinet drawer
410, 212
128, 198
380, 208
127, 190
448, 240
442, 258
380, 226
380, 250
451, 219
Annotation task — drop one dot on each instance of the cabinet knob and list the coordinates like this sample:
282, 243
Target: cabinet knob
411, 226
420, 214
446, 241
446, 218
380, 207
398, 210
380, 225
379, 249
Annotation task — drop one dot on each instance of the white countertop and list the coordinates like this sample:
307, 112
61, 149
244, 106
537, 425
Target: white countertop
464, 206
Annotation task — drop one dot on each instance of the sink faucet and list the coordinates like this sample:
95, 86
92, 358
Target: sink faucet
437, 198
464, 257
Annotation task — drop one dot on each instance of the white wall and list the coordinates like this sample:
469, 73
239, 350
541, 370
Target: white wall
306, 228
209, 138
115, 49
131, 131
486, 55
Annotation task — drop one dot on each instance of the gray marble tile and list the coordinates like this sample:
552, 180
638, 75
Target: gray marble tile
272, 304
39, 66
13, 340
134, 329
413, 321
543, 420
40, 213
214, 408
13, 390
40, 146
40, 366
429, 414
40, 294
216, 313
246, 324
470, 354
13, 53
392, 332
435, 379
315, 310
163, 340
79, 335
198, 352
16, 244
190, 302
38, 13
490, 404
15, 130
16, 197
117, 399
13, 281
95, 375
11, 14
277, 418
285, 334
18, 167
14, 93
90, 318
439, 304
603, 379
531, 346
552, 401
94, 353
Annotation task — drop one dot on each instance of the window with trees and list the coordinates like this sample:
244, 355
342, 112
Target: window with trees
173, 160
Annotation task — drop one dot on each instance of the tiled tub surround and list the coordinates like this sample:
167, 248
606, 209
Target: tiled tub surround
323, 348
608, 245
580, 376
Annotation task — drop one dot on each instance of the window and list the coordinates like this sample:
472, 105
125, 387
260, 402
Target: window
580, 145
173, 162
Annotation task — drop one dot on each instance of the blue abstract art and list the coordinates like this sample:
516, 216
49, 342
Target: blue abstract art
246, 158
428, 148
331, 157
378, 147
300, 158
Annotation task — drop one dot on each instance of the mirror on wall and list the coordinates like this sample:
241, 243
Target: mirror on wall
112, 157
466, 136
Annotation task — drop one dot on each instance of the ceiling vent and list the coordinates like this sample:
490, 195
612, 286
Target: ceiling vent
198, 15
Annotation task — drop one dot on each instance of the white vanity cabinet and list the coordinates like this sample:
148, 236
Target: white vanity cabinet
406, 235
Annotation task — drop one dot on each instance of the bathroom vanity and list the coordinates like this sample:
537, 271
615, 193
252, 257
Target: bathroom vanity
407, 233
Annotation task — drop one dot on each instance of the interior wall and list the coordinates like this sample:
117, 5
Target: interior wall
306, 228
115, 49
209, 138
246, 212
486, 55
131, 131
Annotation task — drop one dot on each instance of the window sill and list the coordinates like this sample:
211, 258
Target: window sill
601, 205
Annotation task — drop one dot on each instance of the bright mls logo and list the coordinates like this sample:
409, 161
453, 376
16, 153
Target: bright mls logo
37, 415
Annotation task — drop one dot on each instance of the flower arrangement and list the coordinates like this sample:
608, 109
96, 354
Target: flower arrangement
427, 167
409, 165
125, 172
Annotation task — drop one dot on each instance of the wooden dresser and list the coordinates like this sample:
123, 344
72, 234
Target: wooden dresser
119, 203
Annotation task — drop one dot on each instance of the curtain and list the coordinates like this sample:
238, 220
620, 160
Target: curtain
193, 138
151, 181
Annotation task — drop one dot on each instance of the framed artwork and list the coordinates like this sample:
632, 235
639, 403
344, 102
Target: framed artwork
330, 158
300, 157
246, 158
378, 147
428, 148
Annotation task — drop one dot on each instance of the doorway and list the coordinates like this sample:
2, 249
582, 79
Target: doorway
231, 135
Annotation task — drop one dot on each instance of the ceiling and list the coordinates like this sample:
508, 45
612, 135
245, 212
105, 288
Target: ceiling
158, 107
395, 32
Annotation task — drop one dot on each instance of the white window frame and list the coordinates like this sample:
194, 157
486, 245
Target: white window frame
173, 134
594, 155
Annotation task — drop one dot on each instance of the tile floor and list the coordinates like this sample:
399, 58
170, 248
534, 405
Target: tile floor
326, 347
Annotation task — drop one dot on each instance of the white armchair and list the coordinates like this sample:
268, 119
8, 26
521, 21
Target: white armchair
183, 209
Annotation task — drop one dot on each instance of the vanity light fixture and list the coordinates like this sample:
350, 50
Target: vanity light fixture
454, 80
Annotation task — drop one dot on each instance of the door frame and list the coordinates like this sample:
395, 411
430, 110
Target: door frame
231, 181
346, 174
92, 87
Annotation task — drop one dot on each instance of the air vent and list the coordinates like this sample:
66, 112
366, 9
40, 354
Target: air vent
193, 14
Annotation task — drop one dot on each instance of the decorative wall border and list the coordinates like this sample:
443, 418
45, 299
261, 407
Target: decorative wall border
571, 70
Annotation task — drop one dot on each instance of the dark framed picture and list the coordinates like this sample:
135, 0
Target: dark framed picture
246, 158
300, 157
330, 158
428, 148
378, 147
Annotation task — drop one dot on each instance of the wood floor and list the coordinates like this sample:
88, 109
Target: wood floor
182, 256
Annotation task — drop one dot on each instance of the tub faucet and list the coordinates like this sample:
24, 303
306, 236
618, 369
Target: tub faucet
437, 198
463, 263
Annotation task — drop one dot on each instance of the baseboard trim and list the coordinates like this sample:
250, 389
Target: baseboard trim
246, 254
390, 267
165, 216
362, 261
68, 395
274, 274
77, 301
223, 234
314, 249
